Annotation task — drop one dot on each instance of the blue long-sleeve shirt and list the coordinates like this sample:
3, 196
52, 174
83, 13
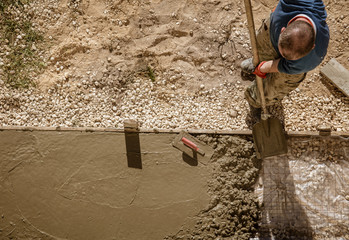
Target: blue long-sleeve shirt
283, 13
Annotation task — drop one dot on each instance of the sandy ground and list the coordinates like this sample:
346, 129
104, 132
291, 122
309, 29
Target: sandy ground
168, 64
192, 43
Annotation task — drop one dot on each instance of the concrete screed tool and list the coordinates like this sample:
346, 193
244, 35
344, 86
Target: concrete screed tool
268, 134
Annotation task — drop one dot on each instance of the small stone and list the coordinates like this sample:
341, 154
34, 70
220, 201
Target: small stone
233, 113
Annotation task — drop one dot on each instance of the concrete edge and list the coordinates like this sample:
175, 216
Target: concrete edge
155, 130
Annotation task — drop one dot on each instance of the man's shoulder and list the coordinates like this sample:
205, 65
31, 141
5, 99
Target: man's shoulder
305, 64
287, 9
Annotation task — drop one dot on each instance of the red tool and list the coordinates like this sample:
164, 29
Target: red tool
192, 145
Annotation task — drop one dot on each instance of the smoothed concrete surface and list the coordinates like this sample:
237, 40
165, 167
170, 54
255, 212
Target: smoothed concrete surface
77, 185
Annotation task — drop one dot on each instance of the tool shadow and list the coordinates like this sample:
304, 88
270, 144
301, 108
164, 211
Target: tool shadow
189, 160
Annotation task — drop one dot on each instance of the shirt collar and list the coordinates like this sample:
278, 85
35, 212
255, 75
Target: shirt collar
305, 17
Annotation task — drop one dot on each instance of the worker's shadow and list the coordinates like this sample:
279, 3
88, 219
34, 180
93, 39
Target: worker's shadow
282, 214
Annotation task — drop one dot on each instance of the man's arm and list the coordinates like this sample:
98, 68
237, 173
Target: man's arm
270, 66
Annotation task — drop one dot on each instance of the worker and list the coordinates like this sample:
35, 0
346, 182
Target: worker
291, 42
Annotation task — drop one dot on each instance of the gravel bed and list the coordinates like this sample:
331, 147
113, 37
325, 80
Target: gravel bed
159, 105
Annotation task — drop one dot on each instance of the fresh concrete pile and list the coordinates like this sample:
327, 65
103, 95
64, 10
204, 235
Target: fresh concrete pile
300, 195
234, 210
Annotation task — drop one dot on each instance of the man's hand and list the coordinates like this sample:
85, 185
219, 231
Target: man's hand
262, 69
258, 71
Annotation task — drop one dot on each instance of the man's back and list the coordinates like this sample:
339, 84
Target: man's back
284, 12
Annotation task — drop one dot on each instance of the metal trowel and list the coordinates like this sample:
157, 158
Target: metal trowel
193, 147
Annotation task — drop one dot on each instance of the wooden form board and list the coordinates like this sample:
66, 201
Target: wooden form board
337, 74
163, 131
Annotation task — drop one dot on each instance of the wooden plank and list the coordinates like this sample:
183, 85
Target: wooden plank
164, 131
131, 125
337, 74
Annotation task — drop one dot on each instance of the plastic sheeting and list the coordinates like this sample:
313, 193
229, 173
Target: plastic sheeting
305, 194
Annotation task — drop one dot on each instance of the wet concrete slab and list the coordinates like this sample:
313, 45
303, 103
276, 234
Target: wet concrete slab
78, 185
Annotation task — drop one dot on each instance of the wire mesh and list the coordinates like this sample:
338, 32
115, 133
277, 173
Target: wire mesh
305, 194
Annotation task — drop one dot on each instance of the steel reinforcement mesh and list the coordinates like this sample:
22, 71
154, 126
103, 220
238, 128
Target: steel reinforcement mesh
305, 194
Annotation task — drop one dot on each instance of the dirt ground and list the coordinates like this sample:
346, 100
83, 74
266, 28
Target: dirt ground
187, 43
168, 64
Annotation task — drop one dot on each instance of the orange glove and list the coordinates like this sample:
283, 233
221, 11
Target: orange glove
258, 71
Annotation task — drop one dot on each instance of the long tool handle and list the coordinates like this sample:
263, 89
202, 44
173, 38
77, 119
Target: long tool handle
253, 38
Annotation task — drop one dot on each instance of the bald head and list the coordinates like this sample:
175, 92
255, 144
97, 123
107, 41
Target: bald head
297, 40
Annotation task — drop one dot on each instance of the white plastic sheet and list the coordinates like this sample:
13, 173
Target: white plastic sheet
305, 194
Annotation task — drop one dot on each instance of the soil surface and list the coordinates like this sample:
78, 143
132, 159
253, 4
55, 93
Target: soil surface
186, 42
168, 64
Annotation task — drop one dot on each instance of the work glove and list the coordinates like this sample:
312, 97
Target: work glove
258, 71
248, 67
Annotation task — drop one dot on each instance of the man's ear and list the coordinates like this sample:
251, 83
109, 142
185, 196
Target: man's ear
283, 29
313, 46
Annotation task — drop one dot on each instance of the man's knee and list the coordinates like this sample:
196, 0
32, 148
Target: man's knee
251, 97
